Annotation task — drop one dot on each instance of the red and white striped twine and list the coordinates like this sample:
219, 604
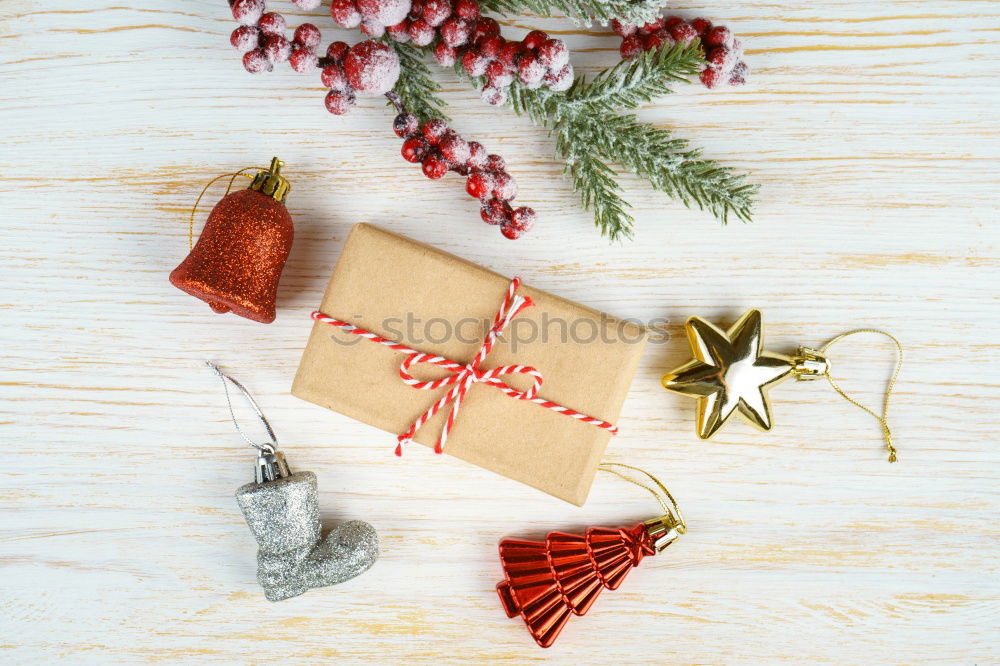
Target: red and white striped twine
462, 377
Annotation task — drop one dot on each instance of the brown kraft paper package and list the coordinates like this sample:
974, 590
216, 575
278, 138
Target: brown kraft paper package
437, 303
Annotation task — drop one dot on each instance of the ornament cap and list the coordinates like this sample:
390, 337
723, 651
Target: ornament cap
810, 364
271, 466
664, 530
271, 182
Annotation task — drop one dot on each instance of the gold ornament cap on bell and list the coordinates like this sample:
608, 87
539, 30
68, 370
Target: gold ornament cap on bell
730, 373
271, 182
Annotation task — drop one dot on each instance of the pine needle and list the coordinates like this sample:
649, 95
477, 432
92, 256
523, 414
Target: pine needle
415, 87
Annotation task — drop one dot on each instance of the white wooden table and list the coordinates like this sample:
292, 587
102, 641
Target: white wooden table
873, 128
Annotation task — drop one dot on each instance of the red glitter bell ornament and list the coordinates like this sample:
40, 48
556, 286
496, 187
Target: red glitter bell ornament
237, 262
547, 582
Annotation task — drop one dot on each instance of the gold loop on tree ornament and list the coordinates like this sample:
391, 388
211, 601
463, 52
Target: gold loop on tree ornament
670, 508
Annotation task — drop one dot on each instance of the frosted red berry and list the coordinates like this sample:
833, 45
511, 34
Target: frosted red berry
303, 60
484, 27
467, 9
490, 45
372, 29
684, 33
474, 63
623, 29
534, 39
701, 25
400, 32
272, 23
479, 184
421, 32
672, 21
245, 38
248, 12
372, 68
523, 219
345, 13
738, 76
510, 231
256, 61
493, 95
308, 35
654, 25
455, 149
504, 186
339, 102
455, 31
720, 58
561, 80
631, 46
445, 55
495, 212
405, 124
720, 35
383, 12
434, 130
277, 48
436, 12
711, 78
495, 163
414, 149
653, 42
434, 167
337, 50
530, 71
510, 53
553, 54
477, 155
333, 77
499, 74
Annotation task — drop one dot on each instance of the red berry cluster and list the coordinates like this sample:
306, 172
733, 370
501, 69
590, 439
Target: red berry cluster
366, 69
440, 150
723, 53
261, 39
463, 34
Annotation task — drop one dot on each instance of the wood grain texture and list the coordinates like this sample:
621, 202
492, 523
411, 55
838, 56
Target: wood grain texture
874, 130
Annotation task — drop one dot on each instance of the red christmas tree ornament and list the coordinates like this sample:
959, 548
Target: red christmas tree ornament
547, 582
237, 262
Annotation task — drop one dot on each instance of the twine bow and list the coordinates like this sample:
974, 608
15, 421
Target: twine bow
463, 376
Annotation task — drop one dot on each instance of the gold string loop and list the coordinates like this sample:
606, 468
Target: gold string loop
662, 495
232, 179
883, 418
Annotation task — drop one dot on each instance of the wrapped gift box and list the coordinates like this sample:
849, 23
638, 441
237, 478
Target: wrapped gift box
437, 303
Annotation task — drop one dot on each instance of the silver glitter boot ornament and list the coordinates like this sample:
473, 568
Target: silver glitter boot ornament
282, 510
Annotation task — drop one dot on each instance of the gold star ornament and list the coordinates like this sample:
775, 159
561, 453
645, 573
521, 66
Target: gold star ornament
730, 372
